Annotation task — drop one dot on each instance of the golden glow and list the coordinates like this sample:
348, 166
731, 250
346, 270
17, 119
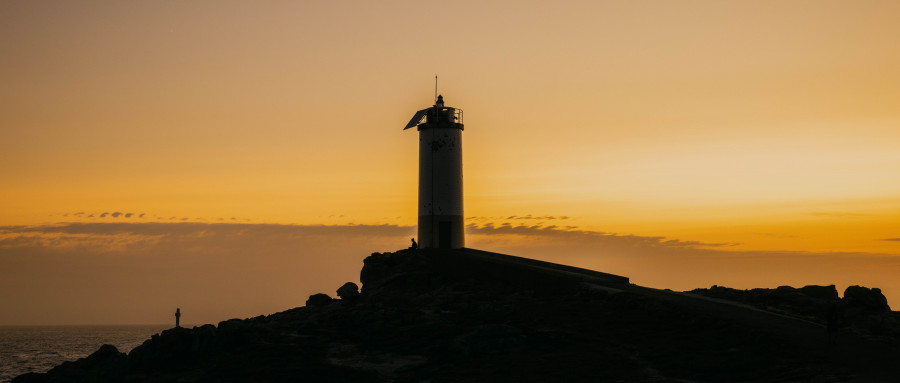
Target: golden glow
766, 125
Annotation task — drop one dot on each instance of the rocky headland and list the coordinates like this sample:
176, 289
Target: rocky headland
473, 316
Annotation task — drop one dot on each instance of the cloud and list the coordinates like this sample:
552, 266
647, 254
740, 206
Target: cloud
569, 233
194, 228
683, 264
891, 239
838, 214
160, 240
519, 217
116, 214
134, 272
776, 235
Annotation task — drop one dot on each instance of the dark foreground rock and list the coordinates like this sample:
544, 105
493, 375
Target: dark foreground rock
866, 298
862, 311
318, 300
105, 364
469, 316
349, 291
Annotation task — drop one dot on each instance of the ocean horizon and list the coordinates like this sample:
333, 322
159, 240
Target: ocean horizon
38, 348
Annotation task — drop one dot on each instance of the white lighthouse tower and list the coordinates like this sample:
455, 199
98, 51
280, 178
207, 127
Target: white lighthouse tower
440, 176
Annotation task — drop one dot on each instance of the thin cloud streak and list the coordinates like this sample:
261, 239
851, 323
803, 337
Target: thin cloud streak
839, 214
126, 272
571, 233
182, 228
96, 273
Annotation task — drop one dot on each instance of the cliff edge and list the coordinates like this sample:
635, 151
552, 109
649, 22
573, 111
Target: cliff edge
473, 316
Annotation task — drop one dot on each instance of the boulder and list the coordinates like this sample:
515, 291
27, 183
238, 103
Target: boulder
349, 291
807, 301
318, 300
376, 269
825, 293
869, 299
104, 365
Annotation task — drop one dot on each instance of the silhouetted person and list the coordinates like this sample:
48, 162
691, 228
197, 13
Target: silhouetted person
832, 320
178, 317
414, 244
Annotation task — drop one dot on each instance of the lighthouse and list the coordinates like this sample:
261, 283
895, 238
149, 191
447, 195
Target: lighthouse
440, 175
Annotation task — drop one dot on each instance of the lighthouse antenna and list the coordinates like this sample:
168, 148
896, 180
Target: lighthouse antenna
431, 171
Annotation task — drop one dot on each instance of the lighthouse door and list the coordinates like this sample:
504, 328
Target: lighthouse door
444, 235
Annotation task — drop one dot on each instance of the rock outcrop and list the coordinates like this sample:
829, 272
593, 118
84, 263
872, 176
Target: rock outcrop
862, 311
348, 292
470, 316
810, 302
318, 300
866, 298
105, 364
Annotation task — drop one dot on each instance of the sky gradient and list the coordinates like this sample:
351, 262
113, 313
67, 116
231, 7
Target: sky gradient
750, 144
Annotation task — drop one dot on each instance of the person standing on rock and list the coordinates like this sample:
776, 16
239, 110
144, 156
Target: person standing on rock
414, 244
178, 317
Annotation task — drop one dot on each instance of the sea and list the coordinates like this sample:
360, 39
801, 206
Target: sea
40, 348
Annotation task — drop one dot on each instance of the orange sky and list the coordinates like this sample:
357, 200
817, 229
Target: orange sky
769, 126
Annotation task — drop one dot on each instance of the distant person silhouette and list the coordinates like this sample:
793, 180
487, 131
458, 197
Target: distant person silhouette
414, 244
832, 320
178, 317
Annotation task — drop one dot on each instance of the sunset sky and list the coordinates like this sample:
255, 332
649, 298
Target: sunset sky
233, 157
